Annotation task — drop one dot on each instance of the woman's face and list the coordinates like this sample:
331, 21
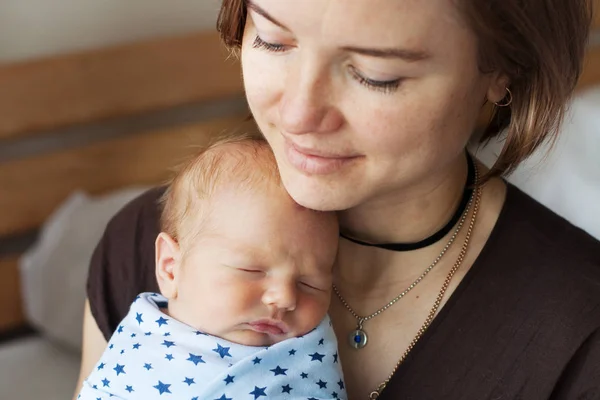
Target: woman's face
362, 100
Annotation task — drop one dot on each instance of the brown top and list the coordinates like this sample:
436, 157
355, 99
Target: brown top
523, 324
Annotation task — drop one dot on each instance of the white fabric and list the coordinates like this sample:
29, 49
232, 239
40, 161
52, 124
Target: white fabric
152, 354
565, 178
54, 270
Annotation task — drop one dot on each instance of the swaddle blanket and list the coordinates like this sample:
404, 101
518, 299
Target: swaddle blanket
153, 356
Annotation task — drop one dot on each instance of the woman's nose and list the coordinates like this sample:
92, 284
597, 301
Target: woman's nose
281, 296
307, 104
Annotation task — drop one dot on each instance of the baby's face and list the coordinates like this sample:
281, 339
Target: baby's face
260, 272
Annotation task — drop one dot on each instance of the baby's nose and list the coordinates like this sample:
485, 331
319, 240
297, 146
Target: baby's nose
281, 295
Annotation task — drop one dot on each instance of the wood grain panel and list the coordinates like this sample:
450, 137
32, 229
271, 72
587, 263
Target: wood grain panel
113, 82
11, 311
32, 188
596, 22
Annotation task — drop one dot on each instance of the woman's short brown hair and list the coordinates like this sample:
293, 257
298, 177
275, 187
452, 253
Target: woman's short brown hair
538, 44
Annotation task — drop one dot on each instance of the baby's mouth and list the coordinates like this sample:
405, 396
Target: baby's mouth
269, 326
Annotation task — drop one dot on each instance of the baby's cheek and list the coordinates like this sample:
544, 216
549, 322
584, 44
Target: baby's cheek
236, 297
311, 310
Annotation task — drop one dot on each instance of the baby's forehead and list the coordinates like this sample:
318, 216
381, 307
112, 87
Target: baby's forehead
241, 252
283, 239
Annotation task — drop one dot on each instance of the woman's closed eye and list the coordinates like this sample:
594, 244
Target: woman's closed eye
271, 47
387, 87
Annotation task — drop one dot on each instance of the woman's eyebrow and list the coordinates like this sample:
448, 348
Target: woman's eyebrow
405, 54
257, 9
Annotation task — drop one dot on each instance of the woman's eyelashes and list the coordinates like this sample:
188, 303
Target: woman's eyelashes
372, 84
271, 47
380, 86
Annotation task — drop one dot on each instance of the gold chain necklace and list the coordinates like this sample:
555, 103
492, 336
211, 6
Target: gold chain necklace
438, 301
358, 337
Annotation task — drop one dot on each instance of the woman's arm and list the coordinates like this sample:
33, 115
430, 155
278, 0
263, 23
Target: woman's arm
121, 267
581, 377
93, 346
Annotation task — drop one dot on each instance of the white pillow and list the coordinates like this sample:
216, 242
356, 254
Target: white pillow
565, 178
54, 270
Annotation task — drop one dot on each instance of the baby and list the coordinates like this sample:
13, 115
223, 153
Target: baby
245, 276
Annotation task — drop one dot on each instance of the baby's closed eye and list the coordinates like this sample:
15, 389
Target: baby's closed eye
311, 286
316, 283
249, 271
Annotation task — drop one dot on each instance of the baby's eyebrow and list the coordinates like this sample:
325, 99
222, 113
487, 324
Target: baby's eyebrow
243, 254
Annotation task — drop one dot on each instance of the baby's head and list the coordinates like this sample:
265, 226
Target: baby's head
237, 257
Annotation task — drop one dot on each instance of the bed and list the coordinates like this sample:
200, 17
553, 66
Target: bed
88, 131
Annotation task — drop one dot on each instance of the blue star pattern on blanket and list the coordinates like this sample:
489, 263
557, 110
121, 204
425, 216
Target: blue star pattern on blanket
167, 359
279, 371
162, 387
189, 381
119, 369
258, 392
222, 351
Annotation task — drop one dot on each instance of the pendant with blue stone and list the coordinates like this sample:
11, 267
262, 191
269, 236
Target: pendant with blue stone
358, 338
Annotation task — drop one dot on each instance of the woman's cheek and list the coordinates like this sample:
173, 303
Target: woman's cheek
264, 76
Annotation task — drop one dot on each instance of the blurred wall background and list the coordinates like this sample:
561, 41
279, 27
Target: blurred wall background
34, 28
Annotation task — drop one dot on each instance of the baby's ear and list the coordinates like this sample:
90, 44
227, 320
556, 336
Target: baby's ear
168, 259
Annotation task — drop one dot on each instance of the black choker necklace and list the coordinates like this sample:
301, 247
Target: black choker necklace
439, 234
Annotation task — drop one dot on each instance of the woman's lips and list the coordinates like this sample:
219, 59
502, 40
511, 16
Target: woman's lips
312, 161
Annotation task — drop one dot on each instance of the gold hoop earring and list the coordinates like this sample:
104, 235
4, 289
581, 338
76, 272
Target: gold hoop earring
507, 99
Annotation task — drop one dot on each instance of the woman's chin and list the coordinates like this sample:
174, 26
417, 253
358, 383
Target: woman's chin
318, 193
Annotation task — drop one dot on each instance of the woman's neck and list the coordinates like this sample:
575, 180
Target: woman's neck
369, 273
371, 276
412, 214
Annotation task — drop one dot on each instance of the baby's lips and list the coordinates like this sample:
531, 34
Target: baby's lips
270, 326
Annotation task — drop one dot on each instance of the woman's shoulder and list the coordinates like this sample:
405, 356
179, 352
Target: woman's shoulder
141, 212
541, 253
531, 298
538, 227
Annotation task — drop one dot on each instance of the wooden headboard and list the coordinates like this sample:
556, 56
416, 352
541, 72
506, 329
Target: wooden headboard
99, 121
106, 119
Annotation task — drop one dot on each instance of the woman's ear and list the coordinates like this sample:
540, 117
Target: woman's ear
497, 89
168, 259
